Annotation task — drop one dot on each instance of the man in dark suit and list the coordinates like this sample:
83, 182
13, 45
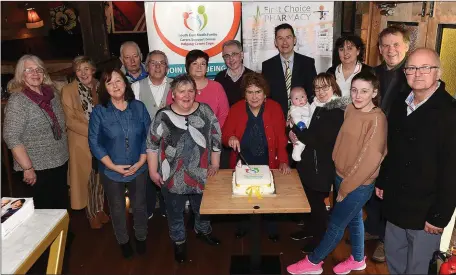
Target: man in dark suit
288, 69
393, 45
418, 185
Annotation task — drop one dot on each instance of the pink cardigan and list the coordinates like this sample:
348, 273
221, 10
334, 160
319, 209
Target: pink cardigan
214, 95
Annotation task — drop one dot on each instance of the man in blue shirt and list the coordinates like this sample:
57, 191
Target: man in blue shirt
131, 56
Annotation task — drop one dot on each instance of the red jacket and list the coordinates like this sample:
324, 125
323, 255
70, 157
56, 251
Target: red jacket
274, 126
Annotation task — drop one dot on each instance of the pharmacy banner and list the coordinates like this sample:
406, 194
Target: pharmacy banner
312, 22
179, 27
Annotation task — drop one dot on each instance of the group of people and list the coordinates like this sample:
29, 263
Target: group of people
350, 128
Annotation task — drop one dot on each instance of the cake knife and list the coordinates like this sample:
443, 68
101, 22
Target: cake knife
243, 159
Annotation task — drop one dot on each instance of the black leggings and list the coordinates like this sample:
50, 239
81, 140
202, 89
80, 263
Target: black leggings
319, 214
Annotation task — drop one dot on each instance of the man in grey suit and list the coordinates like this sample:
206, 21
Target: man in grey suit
152, 91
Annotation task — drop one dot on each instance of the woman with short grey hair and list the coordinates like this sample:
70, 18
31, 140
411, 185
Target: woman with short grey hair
78, 100
34, 130
183, 149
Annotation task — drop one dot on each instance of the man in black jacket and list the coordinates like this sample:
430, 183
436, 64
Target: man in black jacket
288, 69
393, 45
419, 182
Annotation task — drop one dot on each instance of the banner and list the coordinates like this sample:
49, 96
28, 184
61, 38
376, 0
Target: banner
312, 23
179, 27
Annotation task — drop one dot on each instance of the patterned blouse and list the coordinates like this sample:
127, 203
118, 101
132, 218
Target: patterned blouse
184, 145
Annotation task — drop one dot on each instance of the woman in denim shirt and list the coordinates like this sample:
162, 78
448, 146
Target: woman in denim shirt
118, 128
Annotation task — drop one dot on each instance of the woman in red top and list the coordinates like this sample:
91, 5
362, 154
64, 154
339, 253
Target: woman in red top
237, 135
256, 127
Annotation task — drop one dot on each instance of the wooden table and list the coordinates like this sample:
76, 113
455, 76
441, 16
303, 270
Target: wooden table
21, 249
290, 198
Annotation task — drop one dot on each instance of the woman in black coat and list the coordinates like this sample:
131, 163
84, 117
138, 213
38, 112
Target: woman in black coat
349, 55
316, 168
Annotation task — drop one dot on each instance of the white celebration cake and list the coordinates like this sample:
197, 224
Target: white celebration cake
253, 180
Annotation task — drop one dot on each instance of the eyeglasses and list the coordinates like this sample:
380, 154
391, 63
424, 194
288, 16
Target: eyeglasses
422, 70
31, 71
158, 63
232, 55
321, 89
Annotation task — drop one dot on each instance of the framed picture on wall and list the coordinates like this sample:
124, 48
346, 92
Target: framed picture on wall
413, 29
348, 17
125, 17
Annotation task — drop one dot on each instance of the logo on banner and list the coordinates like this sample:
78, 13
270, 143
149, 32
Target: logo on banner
200, 17
322, 12
196, 31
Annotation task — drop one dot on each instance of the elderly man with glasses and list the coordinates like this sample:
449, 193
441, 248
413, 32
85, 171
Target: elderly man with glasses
152, 91
418, 179
231, 77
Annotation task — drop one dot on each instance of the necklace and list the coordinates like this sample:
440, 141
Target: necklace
126, 133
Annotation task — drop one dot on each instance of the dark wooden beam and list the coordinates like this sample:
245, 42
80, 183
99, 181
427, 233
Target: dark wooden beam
93, 27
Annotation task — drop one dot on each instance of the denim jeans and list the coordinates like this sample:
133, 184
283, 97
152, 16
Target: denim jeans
152, 191
115, 192
175, 205
347, 213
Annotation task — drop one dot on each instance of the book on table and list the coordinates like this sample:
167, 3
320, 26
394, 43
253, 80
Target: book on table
14, 212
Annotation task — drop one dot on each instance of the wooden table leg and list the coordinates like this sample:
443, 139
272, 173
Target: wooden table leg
57, 251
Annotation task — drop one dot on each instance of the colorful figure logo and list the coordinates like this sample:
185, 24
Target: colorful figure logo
201, 15
255, 170
322, 12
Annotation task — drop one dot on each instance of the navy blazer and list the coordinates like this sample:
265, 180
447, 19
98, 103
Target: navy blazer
302, 75
107, 136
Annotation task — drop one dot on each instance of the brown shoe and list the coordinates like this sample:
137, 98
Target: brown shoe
102, 217
379, 253
95, 223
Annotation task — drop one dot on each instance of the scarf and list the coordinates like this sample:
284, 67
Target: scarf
317, 103
85, 95
44, 102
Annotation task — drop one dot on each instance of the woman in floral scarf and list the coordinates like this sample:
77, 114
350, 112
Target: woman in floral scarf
78, 100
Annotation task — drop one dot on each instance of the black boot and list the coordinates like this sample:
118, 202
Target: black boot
180, 252
127, 251
207, 238
141, 247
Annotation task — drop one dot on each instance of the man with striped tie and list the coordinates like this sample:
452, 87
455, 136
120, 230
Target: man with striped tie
288, 69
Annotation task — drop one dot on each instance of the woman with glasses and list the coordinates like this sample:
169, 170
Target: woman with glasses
35, 131
208, 91
256, 128
78, 100
349, 51
316, 169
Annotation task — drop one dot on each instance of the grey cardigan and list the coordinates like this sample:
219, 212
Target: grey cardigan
27, 124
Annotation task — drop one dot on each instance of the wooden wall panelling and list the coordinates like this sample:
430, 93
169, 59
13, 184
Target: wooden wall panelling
373, 30
94, 32
444, 13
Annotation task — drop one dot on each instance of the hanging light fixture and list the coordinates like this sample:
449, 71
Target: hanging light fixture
33, 20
